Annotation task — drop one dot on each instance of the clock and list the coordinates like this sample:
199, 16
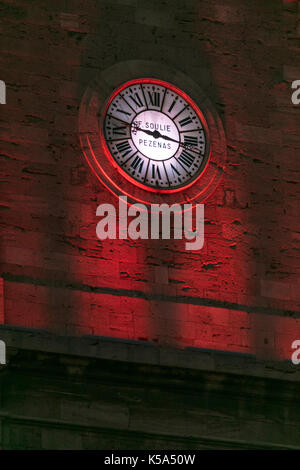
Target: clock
150, 133
155, 135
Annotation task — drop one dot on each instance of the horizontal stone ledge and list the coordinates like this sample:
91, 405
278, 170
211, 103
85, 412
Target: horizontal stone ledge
215, 441
140, 352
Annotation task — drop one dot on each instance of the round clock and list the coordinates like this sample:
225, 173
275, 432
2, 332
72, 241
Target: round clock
155, 135
151, 134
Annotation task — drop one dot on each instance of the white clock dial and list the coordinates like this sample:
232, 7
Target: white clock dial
156, 135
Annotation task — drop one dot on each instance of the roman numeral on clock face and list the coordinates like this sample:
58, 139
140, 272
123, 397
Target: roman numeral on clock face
156, 175
120, 130
137, 100
177, 174
172, 105
124, 148
115, 129
191, 140
120, 109
184, 122
175, 170
155, 172
154, 98
126, 113
137, 164
186, 158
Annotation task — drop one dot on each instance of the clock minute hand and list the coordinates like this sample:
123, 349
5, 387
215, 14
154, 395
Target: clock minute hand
182, 144
156, 134
165, 137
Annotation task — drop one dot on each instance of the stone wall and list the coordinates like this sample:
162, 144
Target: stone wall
96, 393
239, 293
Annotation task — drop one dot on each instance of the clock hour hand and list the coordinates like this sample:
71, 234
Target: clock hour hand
136, 128
146, 131
156, 134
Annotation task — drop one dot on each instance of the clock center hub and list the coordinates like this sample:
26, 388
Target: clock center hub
155, 135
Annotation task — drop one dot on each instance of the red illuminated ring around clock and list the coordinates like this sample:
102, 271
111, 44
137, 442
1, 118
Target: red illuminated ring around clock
91, 117
183, 95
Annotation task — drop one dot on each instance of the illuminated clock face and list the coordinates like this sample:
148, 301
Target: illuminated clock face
155, 135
